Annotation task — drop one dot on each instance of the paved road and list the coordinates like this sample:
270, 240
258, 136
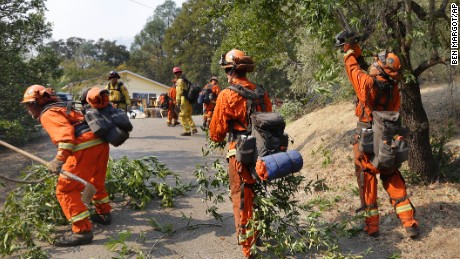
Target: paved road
151, 137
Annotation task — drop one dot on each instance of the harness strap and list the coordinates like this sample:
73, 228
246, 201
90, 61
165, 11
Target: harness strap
381, 87
118, 88
253, 98
243, 185
79, 126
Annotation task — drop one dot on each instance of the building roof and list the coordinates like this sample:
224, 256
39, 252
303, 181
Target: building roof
145, 78
90, 80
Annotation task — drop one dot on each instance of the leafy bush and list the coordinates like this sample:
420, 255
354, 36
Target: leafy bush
291, 111
141, 180
30, 211
286, 226
444, 157
12, 131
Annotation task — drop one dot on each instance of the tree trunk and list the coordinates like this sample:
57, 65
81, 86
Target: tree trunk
421, 160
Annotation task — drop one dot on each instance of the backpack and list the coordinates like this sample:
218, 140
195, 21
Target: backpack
109, 123
264, 137
164, 101
206, 95
193, 91
390, 147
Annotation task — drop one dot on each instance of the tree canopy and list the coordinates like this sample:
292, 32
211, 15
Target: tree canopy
292, 43
23, 60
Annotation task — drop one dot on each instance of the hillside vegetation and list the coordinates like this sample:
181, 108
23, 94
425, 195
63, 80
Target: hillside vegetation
324, 139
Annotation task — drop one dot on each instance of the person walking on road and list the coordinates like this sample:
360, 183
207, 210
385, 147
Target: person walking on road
79, 152
230, 116
185, 114
212, 90
119, 95
377, 90
172, 114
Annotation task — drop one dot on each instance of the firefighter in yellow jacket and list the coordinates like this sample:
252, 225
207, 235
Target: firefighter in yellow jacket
185, 114
119, 94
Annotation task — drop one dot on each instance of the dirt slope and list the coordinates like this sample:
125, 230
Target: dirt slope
324, 140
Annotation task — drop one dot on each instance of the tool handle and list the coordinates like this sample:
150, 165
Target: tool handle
74, 177
22, 152
41, 161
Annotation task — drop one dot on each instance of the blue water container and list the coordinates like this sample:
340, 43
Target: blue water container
283, 163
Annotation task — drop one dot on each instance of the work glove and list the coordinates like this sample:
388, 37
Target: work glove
354, 49
55, 166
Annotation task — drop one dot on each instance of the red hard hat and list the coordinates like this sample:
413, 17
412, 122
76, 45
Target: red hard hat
176, 70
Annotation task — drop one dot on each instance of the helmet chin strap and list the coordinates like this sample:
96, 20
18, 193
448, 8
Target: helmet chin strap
230, 73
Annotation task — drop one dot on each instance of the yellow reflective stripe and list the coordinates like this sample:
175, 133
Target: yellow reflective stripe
88, 144
372, 212
67, 146
231, 152
403, 208
104, 200
80, 216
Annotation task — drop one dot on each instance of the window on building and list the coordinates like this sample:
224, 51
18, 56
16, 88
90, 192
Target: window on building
148, 97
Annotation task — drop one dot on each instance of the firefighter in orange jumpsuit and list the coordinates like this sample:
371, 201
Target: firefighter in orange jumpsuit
385, 68
80, 152
172, 115
185, 114
230, 117
208, 108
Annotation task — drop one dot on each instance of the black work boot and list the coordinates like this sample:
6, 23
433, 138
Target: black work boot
412, 232
74, 239
104, 219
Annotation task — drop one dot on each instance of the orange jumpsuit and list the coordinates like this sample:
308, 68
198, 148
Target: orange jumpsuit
366, 173
172, 115
230, 106
85, 156
208, 108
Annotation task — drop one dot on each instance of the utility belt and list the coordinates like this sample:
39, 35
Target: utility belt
384, 139
80, 128
235, 134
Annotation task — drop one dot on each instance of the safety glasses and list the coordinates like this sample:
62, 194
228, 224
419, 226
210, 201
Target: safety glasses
222, 60
382, 56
